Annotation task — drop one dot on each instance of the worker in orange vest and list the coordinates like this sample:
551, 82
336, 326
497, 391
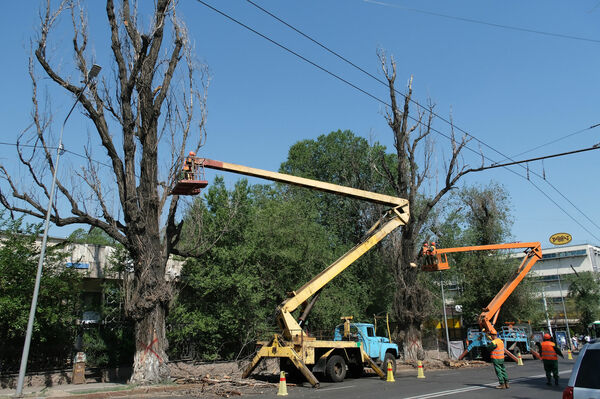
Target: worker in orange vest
188, 166
550, 354
496, 348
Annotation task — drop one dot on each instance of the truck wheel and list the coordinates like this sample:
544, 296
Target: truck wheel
336, 368
389, 358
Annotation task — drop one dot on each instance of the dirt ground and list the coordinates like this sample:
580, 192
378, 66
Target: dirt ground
224, 379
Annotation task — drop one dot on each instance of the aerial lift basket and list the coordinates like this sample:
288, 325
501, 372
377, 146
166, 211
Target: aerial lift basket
192, 179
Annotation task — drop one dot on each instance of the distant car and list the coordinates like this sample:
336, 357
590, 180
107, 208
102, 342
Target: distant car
585, 378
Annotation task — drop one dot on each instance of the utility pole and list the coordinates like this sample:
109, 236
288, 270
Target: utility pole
546, 311
445, 317
36, 288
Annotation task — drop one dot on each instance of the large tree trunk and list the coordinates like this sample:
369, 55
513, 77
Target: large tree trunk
413, 347
150, 360
148, 298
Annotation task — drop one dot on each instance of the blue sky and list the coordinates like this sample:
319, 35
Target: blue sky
513, 90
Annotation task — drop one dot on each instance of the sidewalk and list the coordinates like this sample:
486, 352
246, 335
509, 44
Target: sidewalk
93, 390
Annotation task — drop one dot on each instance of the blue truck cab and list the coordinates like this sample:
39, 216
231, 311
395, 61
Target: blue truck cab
380, 349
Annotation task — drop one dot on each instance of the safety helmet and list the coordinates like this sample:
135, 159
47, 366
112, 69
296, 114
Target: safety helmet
433, 243
547, 336
192, 154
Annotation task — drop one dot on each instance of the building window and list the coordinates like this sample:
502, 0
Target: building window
78, 265
551, 277
564, 254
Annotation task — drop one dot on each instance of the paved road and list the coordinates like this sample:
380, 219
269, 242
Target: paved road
527, 381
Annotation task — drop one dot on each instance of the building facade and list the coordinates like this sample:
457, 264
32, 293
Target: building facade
552, 273
95, 264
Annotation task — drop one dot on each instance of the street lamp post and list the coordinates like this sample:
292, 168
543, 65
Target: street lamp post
19, 393
445, 317
564, 310
546, 311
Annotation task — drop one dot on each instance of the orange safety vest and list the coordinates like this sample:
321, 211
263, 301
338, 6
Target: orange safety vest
498, 353
548, 352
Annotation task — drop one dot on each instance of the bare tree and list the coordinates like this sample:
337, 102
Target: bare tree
143, 118
411, 170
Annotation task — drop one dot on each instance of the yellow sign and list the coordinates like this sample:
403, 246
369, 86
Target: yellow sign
560, 238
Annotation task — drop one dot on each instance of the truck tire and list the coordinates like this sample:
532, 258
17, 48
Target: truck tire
389, 358
336, 368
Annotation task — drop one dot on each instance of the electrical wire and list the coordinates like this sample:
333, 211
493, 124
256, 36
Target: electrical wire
56, 148
557, 140
475, 21
562, 154
411, 100
410, 117
399, 92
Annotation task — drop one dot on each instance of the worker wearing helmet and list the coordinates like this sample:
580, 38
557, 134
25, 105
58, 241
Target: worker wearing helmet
188, 166
550, 354
496, 348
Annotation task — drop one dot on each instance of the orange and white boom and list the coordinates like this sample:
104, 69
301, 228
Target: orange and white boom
436, 259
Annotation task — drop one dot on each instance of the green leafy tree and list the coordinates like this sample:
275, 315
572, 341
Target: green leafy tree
343, 158
258, 243
585, 291
94, 236
217, 304
58, 298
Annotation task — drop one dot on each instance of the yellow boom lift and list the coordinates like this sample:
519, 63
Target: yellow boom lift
294, 346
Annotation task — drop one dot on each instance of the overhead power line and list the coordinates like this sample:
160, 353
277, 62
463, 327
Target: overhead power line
410, 117
428, 110
557, 140
56, 148
562, 154
476, 21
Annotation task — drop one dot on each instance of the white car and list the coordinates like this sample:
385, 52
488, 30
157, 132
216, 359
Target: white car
585, 377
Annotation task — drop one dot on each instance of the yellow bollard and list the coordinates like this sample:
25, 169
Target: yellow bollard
569, 355
420, 373
390, 373
519, 360
282, 385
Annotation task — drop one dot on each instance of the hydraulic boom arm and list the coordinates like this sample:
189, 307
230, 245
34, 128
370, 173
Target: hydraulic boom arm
489, 315
377, 198
395, 217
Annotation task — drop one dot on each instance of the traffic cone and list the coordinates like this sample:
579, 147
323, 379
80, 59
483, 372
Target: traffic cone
390, 373
569, 355
519, 360
282, 385
420, 373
